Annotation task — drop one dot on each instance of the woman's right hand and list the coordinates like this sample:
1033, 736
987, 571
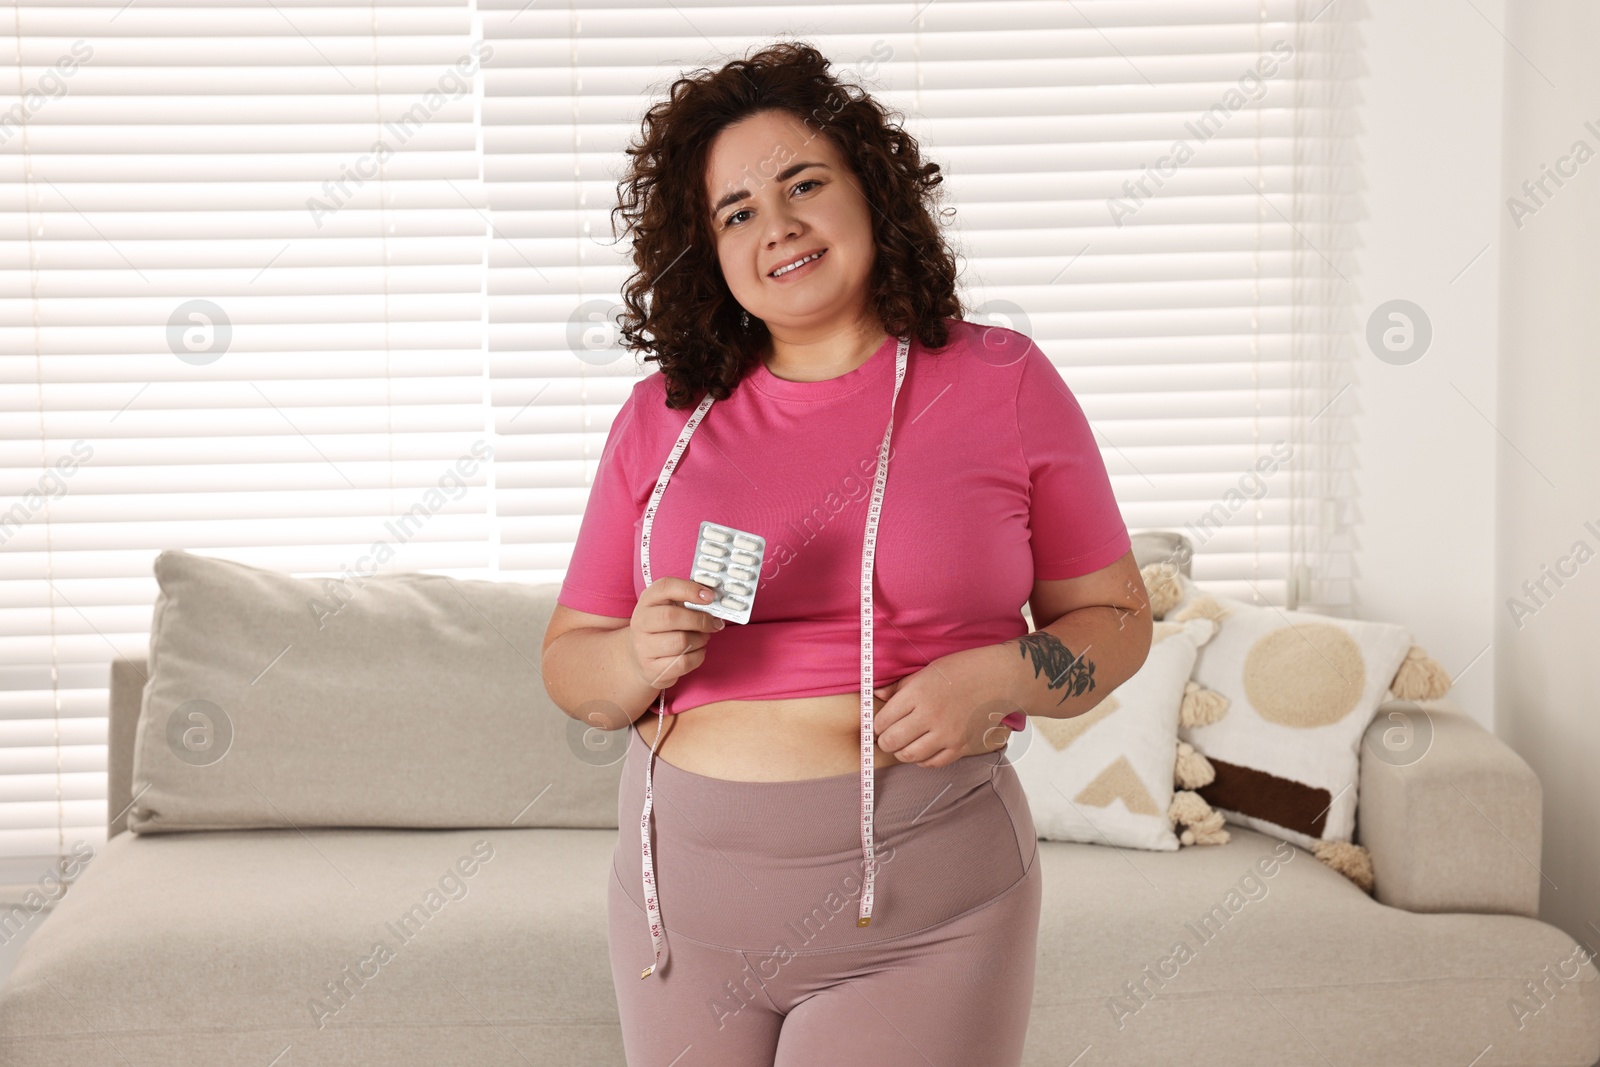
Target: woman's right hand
668, 640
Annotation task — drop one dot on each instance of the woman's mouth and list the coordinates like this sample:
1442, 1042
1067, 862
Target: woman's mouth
793, 270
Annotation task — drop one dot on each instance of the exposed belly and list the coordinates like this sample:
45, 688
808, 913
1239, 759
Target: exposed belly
766, 740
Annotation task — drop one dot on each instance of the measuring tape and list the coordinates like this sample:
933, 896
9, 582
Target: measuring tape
652, 902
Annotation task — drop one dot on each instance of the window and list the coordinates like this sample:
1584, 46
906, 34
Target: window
283, 265
246, 318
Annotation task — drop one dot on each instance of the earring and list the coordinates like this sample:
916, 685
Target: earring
744, 319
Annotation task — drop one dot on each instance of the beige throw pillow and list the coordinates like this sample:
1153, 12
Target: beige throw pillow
407, 700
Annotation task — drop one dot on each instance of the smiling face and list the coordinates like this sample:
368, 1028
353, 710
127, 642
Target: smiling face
788, 210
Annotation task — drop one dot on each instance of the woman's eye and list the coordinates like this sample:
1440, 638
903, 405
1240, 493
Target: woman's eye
733, 219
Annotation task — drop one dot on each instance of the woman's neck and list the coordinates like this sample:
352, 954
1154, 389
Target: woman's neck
816, 359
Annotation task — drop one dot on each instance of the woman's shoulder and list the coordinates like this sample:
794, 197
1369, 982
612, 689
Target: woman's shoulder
647, 399
989, 356
989, 341
640, 418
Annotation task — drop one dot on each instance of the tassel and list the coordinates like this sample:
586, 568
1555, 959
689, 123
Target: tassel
1161, 582
1202, 825
1207, 831
1192, 770
1200, 706
1204, 606
1187, 807
1420, 677
1350, 860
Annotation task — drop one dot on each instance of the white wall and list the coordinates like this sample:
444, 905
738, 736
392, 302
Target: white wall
1430, 151
1478, 462
1549, 410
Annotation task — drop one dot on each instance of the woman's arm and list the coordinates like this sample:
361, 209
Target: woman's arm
1096, 636
606, 670
1094, 633
591, 674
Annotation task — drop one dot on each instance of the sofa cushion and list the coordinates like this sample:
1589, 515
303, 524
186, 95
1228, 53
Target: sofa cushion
219, 949
1200, 958
343, 946
404, 700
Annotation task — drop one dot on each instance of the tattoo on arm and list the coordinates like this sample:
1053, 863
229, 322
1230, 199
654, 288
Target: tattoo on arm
1057, 663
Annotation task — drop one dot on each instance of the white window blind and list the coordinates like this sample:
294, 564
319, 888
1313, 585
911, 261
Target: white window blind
312, 174
388, 308
1199, 313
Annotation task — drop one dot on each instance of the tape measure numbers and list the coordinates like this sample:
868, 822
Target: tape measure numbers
652, 901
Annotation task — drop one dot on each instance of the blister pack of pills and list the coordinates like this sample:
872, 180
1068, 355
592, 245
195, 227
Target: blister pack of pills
729, 561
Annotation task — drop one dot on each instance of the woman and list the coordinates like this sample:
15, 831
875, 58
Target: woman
846, 745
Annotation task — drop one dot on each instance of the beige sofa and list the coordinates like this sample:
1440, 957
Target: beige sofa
393, 773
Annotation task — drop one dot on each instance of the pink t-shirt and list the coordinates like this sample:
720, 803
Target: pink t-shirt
994, 481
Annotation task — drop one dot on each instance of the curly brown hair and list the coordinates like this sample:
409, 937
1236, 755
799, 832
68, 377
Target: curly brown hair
679, 310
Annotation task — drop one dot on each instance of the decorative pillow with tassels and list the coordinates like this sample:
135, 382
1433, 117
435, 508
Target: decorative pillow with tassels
1300, 690
1105, 777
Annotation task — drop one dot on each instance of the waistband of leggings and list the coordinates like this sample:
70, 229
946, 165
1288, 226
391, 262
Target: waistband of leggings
821, 816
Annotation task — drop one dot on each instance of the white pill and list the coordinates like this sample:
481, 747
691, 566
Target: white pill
737, 587
733, 602
741, 572
713, 550
746, 558
711, 564
712, 534
744, 542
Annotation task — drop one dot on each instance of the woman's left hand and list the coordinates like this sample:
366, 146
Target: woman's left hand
947, 710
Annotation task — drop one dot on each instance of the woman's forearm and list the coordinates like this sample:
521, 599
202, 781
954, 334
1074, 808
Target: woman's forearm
591, 675
1068, 667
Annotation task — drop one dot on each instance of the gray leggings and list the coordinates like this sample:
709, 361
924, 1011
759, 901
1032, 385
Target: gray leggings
759, 884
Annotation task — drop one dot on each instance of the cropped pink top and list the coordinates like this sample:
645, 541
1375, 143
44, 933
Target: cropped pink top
995, 481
